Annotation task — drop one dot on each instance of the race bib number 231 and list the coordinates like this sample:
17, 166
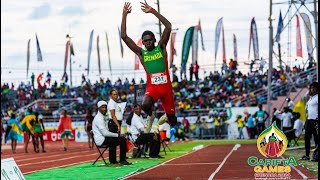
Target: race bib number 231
159, 78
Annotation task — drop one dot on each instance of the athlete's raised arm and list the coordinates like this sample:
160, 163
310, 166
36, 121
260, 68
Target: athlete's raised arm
130, 43
167, 30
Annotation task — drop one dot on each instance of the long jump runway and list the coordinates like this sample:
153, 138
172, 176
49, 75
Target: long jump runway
213, 162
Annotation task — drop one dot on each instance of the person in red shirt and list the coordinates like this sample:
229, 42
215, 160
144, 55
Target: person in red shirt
186, 124
65, 127
196, 70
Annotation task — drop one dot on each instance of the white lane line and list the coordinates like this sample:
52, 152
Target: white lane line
164, 163
190, 164
298, 171
224, 160
53, 155
54, 160
66, 165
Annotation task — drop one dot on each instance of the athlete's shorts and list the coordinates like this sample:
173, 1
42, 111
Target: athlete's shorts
164, 93
38, 134
66, 133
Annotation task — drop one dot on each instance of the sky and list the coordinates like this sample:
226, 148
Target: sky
51, 20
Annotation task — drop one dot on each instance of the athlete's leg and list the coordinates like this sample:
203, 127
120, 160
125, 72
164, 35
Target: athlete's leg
168, 105
147, 107
172, 119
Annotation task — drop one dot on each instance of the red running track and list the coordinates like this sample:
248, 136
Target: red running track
53, 157
212, 162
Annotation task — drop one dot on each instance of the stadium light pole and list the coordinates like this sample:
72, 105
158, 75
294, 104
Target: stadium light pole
316, 27
160, 30
271, 18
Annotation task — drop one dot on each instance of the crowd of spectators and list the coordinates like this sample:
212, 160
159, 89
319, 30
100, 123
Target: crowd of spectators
229, 88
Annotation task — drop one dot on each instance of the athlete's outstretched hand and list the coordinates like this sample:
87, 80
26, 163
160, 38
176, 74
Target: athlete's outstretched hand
127, 8
145, 7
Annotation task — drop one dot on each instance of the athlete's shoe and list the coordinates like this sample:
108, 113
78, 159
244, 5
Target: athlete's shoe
150, 120
172, 122
163, 119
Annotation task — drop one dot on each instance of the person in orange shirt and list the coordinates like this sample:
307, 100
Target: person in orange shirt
65, 127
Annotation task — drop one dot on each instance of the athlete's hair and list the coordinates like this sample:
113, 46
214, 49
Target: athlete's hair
113, 90
147, 33
315, 85
136, 105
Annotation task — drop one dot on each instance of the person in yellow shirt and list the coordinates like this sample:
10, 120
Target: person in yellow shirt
240, 122
27, 126
217, 124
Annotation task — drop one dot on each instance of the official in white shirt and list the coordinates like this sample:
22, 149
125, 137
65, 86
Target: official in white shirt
311, 125
102, 135
286, 117
137, 130
297, 128
115, 112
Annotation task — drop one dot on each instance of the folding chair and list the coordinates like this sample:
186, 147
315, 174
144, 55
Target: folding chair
104, 147
140, 148
164, 141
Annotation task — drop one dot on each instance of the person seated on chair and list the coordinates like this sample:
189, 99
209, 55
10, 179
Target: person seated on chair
139, 136
102, 135
297, 128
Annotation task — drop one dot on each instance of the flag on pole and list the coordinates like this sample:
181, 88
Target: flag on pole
200, 30
89, 50
298, 39
172, 49
108, 53
98, 54
308, 33
121, 46
195, 45
71, 49
28, 57
254, 38
280, 28
301, 108
136, 58
187, 41
66, 56
224, 56
217, 36
235, 48
186, 48
39, 55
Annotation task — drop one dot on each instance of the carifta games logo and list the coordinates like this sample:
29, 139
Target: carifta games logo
272, 143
